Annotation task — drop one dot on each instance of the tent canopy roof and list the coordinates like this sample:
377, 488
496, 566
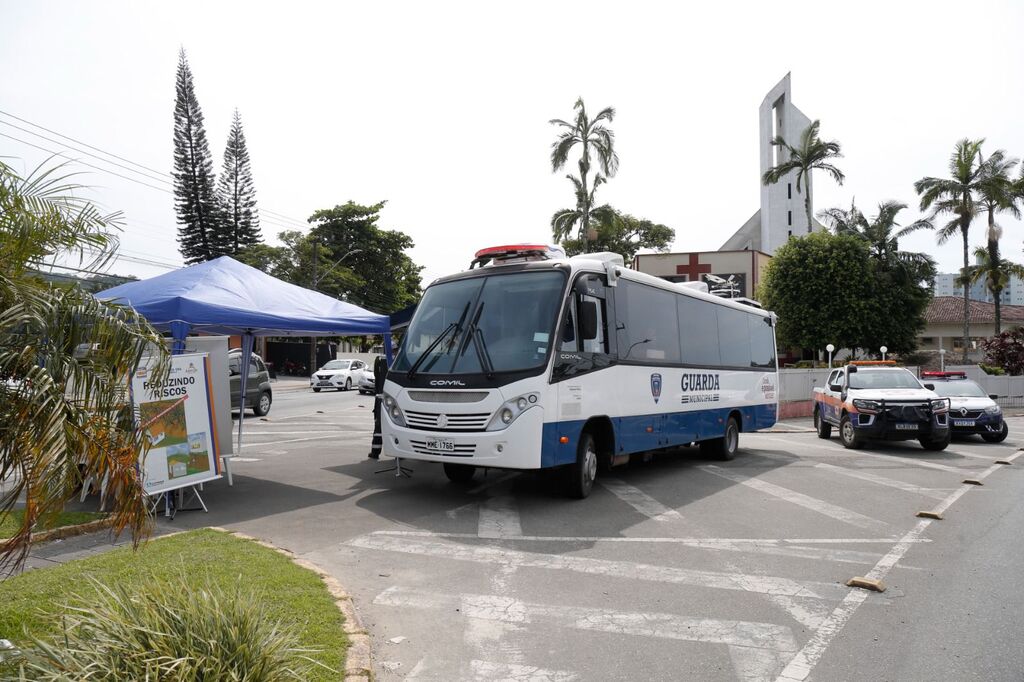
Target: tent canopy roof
223, 296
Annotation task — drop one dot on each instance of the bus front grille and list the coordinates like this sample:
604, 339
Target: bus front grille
434, 421
447, 396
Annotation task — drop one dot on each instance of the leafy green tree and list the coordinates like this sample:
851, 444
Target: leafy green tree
237, 192
594, 138
65, 361
811, 153
624, 234
200, 233
376, 272
957, 196
997, 192
797, 283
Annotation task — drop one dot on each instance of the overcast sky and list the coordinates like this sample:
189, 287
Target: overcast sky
442, 109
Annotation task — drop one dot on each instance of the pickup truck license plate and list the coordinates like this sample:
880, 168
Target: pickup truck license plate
441, 445
963, 422
906, 427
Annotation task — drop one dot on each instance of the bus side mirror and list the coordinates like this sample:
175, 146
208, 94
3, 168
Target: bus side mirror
587, 311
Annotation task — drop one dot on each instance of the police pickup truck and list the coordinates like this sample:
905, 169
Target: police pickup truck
879, 401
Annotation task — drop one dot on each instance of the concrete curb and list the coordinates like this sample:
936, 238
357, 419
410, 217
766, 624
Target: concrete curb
358, 658
68, 531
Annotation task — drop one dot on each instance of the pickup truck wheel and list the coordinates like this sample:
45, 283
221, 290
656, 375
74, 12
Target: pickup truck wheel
848, 435
935, 445
823, 428
996, 437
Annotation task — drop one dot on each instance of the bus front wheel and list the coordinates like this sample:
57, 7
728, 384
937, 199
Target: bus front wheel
459, 473
583, 472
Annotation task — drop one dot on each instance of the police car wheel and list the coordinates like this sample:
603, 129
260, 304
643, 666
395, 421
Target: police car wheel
848, 435
997, 437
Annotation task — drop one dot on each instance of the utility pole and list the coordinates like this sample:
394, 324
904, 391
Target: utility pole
312, 340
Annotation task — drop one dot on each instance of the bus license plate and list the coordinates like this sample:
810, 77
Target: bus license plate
441, 445
963, 422
906, 427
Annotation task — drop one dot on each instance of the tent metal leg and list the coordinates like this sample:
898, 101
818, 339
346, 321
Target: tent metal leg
174, 501
397, 468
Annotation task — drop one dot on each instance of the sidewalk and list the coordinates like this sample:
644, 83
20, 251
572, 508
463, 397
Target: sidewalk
796, 425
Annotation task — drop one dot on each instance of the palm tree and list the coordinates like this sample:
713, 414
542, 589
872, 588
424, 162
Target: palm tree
995, 272
957, 195
65, 414
882, 234
595, 138
811, 153
997, 192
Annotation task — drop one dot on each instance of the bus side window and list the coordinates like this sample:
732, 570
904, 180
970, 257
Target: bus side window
569, 343
598, 344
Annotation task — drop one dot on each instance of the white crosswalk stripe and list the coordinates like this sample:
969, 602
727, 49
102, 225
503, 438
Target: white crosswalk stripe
641, 501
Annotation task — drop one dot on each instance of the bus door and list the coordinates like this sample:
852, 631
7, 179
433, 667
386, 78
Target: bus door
584, 348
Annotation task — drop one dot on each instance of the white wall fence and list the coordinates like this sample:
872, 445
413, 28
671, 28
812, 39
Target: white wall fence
798, 384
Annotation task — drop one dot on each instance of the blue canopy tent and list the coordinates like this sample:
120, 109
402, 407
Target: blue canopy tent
223, 296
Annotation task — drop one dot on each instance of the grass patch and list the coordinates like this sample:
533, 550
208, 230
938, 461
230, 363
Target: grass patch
296, 597
11, 522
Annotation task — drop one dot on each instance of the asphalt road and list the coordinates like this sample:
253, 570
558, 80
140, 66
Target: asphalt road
680, 569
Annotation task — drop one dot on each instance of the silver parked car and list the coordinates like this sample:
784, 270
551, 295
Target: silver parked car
340, 375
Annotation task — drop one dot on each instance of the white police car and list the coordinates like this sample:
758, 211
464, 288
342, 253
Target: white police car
971, 411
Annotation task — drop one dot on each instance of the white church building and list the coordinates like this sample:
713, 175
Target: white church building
743, 257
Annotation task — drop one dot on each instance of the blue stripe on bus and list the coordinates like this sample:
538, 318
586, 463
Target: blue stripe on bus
667, 430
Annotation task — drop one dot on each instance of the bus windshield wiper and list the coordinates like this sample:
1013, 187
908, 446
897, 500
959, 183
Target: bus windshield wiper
456, 326
479, 345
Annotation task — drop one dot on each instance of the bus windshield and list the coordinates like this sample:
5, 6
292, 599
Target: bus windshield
496, 323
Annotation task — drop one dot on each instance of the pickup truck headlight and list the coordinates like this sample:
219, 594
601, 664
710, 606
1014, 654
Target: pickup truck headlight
940, 405
393, 410
867, 406
994, 409
511, 410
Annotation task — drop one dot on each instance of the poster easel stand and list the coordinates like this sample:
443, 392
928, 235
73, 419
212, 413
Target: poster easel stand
174, 501
398, 469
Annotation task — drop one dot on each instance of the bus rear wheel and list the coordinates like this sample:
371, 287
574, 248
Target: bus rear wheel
459, 473
724, 448
583, 471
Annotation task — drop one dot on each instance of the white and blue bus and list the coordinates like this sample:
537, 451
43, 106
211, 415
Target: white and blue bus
531, 360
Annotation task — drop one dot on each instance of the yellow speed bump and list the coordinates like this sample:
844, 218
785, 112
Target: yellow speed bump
1003, 461
929, 515
972, 481
866, 583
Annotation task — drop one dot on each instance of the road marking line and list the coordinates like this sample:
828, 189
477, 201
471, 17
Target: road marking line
801, 666
661, 625
806, 501
605, 567
882, 480
641, 501
840, 450
499, 518
514, 672
971, 455
695, 542
301, 440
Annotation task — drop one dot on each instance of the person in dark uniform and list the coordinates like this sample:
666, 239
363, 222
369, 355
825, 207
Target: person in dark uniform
380, 370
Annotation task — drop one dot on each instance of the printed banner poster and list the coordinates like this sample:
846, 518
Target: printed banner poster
177, 418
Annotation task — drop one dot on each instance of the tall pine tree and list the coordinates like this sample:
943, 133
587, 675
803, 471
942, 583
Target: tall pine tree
200, 234
236, 192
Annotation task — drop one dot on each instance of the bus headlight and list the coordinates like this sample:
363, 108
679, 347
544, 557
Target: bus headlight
393, 410
511, 410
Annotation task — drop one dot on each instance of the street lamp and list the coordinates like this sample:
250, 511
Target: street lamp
830, 348
883, 349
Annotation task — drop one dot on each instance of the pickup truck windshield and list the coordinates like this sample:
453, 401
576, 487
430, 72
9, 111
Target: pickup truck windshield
883, 378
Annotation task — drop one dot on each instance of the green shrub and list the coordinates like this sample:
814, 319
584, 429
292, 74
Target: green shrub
171, 631
992, 369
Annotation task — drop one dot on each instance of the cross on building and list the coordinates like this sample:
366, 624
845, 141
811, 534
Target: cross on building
694, 270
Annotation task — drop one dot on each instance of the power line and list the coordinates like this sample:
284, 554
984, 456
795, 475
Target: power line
280, 216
